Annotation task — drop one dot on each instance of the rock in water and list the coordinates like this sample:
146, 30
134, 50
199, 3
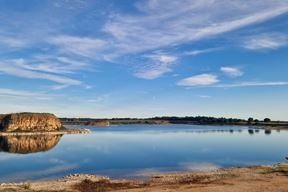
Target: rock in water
30, 122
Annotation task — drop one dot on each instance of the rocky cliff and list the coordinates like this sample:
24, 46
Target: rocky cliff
28, 144
29, 122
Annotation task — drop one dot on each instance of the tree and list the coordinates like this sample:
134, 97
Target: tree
266, 120
250, 120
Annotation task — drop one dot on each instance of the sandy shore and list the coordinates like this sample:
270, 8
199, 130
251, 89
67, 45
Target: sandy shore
250, 179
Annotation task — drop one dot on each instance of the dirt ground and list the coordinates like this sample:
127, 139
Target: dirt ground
250, 179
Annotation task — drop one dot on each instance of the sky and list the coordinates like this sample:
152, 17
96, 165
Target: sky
145, 58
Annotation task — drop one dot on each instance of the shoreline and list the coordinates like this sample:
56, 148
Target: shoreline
60, 132
260, 126
253, 179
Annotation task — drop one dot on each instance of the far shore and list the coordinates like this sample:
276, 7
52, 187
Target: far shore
188, 120
271, 126
272, 178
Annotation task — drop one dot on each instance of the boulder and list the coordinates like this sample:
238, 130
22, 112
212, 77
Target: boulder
30, 122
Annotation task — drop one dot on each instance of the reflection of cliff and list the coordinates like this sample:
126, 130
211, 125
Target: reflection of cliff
28, 144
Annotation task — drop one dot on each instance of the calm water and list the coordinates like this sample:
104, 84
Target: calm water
139, 150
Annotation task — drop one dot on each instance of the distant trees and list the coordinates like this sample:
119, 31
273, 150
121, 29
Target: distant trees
250, 120
201, 120
267, 120
170, 119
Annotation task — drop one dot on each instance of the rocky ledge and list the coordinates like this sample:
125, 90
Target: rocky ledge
34, 123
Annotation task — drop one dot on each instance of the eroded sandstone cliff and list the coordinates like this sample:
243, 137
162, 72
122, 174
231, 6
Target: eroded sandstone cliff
29, 122
28, 144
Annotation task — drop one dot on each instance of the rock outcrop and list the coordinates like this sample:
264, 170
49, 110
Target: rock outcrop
29, 122
28, 144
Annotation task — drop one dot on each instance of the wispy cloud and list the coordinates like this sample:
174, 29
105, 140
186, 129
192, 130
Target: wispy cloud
204, 96
211, 82
266, 41
12, 42
160, 64
98, 99
252, 84
232, 71
185, 21
155, 25
83, 46
18, 93
51, 64
20, 68
199, 80
182, 22
199, 51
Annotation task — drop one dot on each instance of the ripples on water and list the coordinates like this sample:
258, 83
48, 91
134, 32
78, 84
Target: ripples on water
136, 151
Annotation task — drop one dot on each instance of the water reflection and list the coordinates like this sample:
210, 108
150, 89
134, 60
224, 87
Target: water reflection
28, 144
268, 132
131, 151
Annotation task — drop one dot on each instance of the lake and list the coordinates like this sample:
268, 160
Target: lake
136, 151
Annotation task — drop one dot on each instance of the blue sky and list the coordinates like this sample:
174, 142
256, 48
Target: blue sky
144, 58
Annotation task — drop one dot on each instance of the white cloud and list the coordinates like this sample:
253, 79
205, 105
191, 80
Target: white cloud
253, 84
266, 41
232, 71
199, 80
161, 64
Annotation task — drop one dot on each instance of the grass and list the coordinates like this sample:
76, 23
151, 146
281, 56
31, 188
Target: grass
280, 170
26, 185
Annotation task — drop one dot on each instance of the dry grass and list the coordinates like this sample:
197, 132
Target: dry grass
281, 170
105, 185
